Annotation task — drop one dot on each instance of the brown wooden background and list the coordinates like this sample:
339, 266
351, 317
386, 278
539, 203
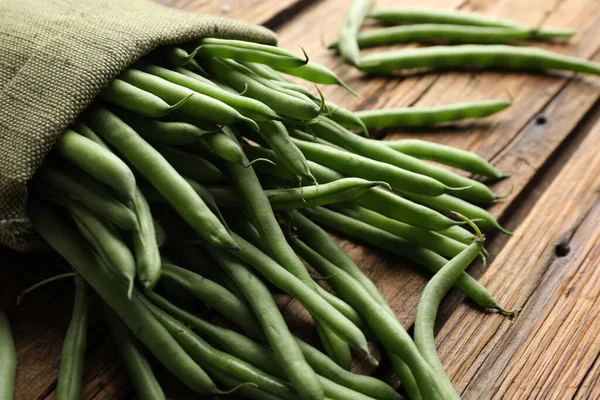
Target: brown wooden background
549, 140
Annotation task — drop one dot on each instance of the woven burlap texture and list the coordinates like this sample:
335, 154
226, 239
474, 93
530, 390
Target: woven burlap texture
55, 57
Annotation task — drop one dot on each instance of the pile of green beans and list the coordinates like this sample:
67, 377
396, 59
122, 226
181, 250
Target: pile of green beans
482, 41
190, 191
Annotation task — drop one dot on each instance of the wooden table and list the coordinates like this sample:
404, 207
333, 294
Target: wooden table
549, 141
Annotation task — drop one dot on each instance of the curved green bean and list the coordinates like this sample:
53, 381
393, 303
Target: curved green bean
266, 72
250, 55
434, 291
140, 372
161, 175
481, 56
427, 116
458, 158
353, 20
132, 311
224, 147
70, 376
97, 161
424, 15
8, 361
145, 245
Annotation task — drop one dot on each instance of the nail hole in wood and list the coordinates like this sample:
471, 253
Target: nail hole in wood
562, 249
540, 120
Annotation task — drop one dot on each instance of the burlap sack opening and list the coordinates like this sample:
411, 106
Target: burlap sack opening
55, 57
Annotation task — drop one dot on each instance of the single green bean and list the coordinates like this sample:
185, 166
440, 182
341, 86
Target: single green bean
458, 158
192, 165
353, 20
247, 391
345, 117
481, 56
366, 168
8, 361
317, 73
420, 256
96, 161
198, 106
424, 15
428, 33
132, 311
266, 72
105, 240
140, 372
88, 191
428, 306
245, 105
244, 44
336, 349
427, 116
161, 175
138, 100
224, 147
176, 57
70, 376
145, 245
250, 55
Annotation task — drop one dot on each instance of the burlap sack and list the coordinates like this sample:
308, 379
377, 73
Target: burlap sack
55, 56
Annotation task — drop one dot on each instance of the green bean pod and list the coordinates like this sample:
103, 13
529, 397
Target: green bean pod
225, 148
281, 103
176, 57
384, 324
248, 45
266, 72
345, 117
366, 168
446, 203
145, 245
250, 55
70, 376
192, 165
428, 306
289, 356
8, 361
132, 354
420, 256
96, 161
245, 105
105, 240
427, 116
433, 241
434, 33
480, 56
336, 349
89, 192
215, 296
458, 158
353, 20
317, 73
138, 100
199, 105
161, 175
425, 15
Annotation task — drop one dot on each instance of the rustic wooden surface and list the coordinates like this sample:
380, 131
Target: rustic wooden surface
548, 140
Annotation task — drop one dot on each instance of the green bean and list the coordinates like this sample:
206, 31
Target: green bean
300, 374
140, 372
266, 72
322, 364
420, 256
176, 57
89, 192
336, 349
198, 106
161, 175
105, 240
214, 295
420, 15
431, 298
247, 391
245, 105
406, 377
70, 377
482, 56
446, 203
465, 160
138, 100
353, 20
384, 325
133, 312
311, 137
147, 254
288, 60
375, 199
224, 147
164, 132
433, 241
192, 165
281, 103
427, 116
8, 361
346, 118
317, 73
96, 161
366, 168
243, 44
459, 234
86, 131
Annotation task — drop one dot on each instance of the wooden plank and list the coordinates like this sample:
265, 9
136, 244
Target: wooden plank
547, 350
